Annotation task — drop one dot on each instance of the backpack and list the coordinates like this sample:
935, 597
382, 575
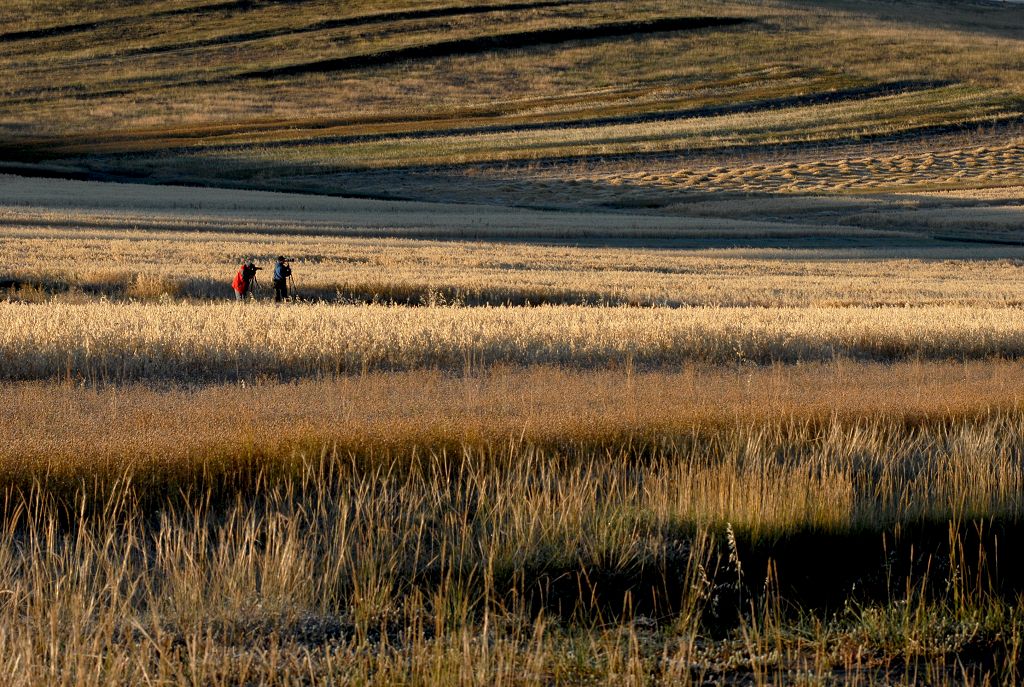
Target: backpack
239, 283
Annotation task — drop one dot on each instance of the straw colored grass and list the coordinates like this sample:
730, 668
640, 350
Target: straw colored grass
505, 561
378, 580
114, 342
131, 264
719, 489
831, 415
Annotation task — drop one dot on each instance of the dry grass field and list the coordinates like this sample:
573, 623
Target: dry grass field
647, 343
578, 448
81, 241
505, 101
151, 433
518, 526
116, 343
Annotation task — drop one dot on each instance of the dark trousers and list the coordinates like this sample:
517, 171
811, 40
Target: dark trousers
280, 291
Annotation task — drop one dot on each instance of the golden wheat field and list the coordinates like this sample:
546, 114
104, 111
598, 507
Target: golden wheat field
107, 342
627, 343
513, 461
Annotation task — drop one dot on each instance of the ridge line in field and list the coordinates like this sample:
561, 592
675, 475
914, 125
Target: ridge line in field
347, 22
84, 26
245, 5
438, 49
503, 41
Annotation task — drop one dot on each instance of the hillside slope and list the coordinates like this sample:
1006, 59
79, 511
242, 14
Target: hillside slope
651, 106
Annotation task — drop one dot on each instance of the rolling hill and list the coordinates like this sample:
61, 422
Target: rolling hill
779, 110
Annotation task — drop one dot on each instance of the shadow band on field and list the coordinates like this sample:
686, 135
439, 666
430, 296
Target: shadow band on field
84, 27
814, 570
248, 5
122, 289
652, 238
515, 40
350, 22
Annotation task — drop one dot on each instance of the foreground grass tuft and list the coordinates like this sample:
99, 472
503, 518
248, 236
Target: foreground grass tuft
520, 566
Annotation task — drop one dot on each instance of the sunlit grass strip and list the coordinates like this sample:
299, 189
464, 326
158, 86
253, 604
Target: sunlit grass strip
130, 341
834, 446
122, 264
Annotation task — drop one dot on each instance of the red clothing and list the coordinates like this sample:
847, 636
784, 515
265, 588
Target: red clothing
239, 284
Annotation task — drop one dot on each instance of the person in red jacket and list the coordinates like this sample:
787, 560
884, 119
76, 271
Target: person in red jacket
244, 279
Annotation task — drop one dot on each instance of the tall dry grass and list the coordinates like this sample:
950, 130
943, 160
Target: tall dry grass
515, 564
121, 342
120, 263
836, 446
517, 527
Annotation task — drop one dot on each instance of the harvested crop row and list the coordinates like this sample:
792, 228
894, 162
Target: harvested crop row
110, 342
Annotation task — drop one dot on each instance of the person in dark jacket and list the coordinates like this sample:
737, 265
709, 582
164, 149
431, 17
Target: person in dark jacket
244, 279
282, 270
